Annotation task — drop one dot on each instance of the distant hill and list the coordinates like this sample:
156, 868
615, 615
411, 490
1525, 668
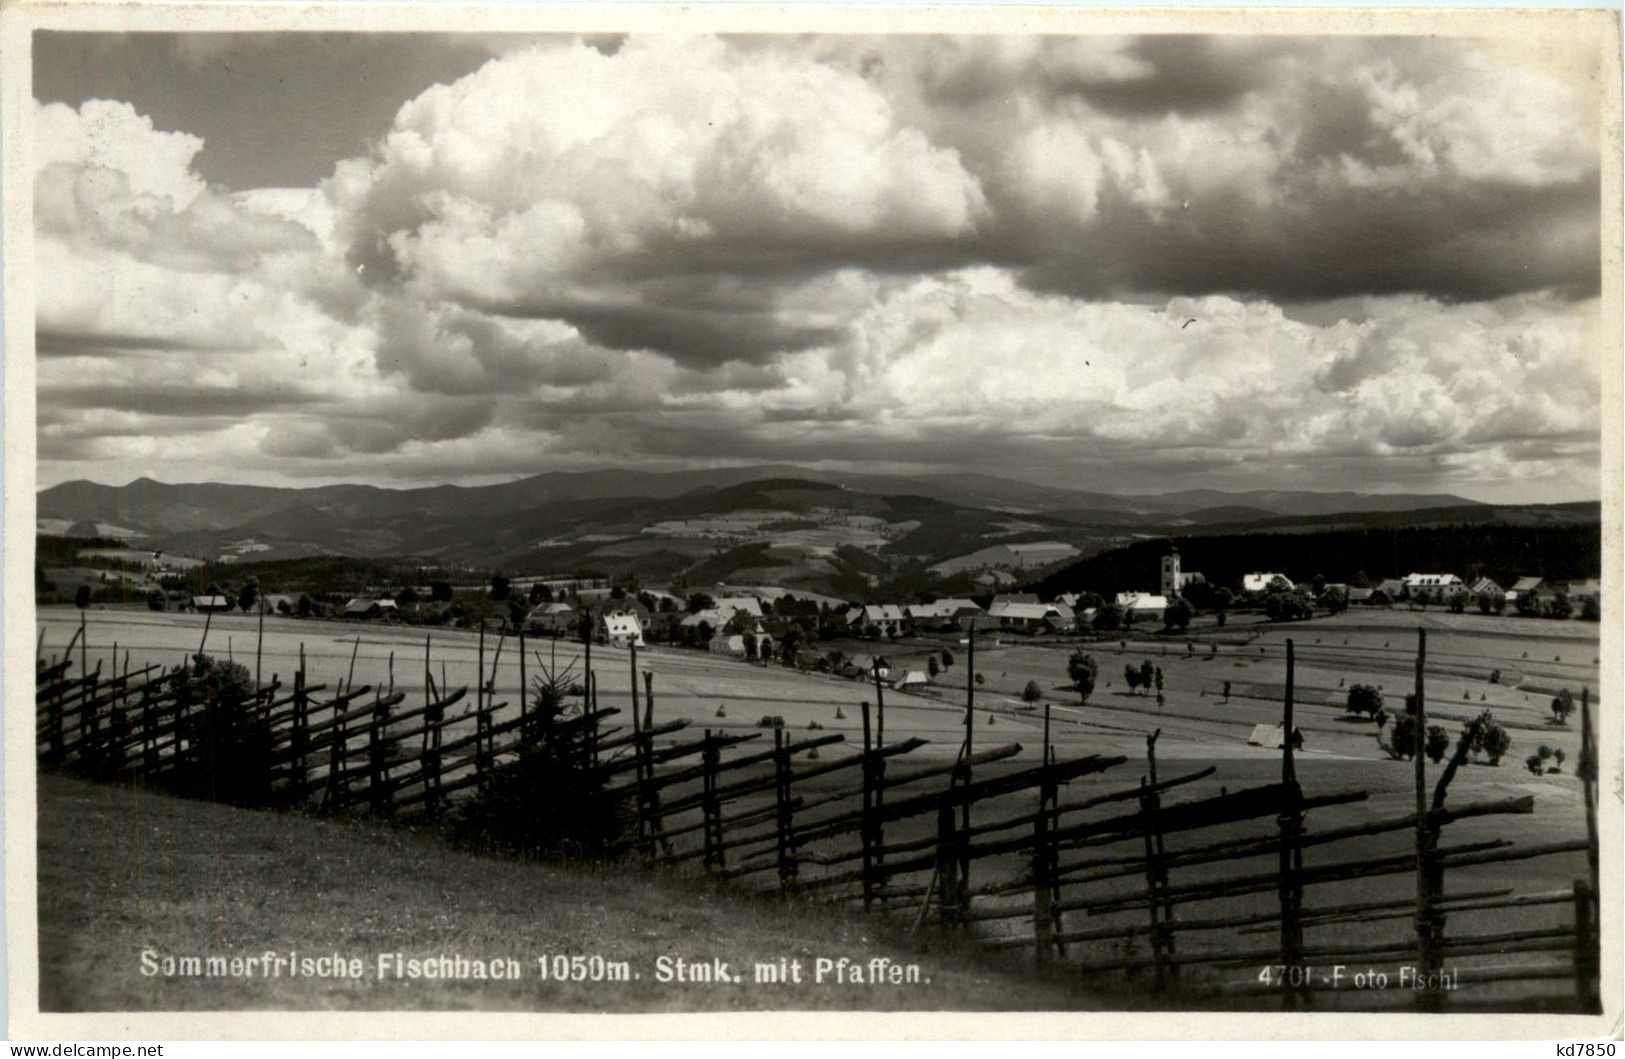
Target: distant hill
808, 526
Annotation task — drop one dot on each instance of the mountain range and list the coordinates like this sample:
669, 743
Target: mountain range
775, 520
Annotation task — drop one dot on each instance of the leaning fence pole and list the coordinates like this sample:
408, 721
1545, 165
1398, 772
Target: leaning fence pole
524, 684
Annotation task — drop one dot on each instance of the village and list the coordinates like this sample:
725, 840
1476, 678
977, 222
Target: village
771, 623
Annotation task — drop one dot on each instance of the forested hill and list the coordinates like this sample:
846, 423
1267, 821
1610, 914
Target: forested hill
1504, 552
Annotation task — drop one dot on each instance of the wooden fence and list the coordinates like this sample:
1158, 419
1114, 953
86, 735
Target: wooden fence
1146, 886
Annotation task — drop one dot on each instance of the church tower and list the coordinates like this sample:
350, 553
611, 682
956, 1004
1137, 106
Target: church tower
1170, 573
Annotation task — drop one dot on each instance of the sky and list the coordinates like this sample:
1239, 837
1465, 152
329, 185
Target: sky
1118, 263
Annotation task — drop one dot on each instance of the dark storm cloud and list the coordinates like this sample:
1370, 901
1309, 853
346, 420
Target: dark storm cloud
1470, 243
175, 400
53, 342
1184, 74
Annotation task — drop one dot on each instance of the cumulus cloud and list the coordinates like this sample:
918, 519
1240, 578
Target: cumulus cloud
1368, 261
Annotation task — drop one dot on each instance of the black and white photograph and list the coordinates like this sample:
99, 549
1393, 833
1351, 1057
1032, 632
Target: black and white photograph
895, 513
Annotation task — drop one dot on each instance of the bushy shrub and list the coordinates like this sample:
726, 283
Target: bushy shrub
1032, 692
1364, 699
549, 799
226, 750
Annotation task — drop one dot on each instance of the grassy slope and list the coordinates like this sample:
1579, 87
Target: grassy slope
121, 870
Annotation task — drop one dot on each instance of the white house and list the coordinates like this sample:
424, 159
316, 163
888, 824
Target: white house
726, 643
370, 608
886, 618
1260, 582
1031, 617
203, 603
1431, 586
1142, 604
622, 629
944, 613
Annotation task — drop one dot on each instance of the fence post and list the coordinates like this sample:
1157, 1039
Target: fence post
784, 816
54, 724
377, 787
1043, 872
709, 808
876, 770
1587, 949
1155, 880
299, 736
149, 743
866, 835
1290, 866
1429, 924
948, 866
337, 752
1587, 922
433, 716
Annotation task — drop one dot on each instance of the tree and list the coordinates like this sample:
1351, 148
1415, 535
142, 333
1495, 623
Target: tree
499, 586
932, 666
305, 606
1109, 618
1438, 741
1177, 615
1335, 600
1147, 674
1131, 676
1528, 604
751, 647
700, 601
1364, 699
1458, 601
81, 597
1032, 692
1083, 671
1402, 739
1558, 607
440, 591
1286, 605
248, 595
1491, 602
1223, 600
155, 600
1562, 706
1490, 739
947, 658
1590, 608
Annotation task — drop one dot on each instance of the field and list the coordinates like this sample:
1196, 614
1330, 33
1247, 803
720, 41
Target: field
123, 871
1376, 647
1198, 729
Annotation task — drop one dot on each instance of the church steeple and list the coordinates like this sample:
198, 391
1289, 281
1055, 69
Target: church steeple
1170, 573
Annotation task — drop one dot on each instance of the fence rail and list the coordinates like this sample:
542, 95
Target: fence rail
1153, 880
